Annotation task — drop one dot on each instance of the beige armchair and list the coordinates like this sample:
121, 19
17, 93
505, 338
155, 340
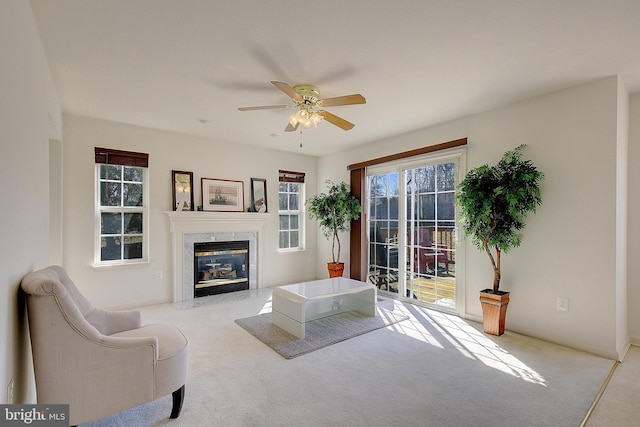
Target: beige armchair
99, 362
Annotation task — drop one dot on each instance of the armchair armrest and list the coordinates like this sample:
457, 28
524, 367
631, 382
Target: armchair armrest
131, 343
112, 322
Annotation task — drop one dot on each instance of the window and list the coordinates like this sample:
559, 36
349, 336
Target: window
290, 204
121, 207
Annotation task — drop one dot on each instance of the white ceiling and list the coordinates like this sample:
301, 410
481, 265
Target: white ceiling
170, 64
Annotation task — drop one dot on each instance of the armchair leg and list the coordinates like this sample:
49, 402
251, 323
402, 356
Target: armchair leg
178, 398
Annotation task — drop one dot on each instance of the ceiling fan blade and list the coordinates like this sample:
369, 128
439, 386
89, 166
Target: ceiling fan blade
335, 120
286, 88
342, 100
264, 107
290, 128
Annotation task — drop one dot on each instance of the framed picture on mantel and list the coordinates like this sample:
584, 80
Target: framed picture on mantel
259, 195
222, 195
182, 190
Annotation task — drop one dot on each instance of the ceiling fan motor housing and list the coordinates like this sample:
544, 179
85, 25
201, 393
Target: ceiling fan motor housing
308, 93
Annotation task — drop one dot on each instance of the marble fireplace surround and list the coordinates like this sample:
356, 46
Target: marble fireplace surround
188, 228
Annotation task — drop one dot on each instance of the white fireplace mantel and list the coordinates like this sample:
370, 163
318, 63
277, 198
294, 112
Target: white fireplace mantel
186, 227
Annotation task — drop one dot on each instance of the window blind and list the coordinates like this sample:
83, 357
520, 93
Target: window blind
118, 157
289, 176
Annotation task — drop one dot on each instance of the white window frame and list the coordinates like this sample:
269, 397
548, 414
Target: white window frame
144, 209
301, 219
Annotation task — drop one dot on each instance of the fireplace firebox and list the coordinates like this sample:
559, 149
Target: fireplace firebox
220, 267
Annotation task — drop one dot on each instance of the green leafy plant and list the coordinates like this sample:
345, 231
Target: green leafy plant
494, 202
334, 211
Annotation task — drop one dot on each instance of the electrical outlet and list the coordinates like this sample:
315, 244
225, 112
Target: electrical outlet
562, 304
158, 275
10, 392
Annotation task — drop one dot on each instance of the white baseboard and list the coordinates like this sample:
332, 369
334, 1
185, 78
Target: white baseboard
510, 327
134, 306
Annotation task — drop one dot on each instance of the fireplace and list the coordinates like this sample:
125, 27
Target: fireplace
188, 228
220, 267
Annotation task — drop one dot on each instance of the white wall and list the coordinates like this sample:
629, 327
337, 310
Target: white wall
136, 285
569, 245
28, 111
622, 209
55, 202
633, 242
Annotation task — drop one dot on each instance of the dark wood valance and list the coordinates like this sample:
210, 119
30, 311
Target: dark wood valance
123, 158
410, 153
289, 176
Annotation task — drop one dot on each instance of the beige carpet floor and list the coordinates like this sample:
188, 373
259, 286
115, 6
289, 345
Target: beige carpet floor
620, 403
433, 369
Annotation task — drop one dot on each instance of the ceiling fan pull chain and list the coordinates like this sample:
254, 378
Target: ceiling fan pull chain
300, 136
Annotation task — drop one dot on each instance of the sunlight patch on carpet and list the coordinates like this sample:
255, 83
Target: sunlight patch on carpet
432, 327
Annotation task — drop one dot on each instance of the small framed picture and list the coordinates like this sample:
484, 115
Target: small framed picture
222, 195
259, 195
182, 190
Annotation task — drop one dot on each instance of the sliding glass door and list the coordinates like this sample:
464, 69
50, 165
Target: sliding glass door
383, 225
411, 220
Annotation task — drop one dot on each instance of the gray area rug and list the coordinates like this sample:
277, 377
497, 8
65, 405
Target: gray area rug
319, 333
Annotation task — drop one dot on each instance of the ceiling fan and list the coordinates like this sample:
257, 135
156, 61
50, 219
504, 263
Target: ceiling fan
307, 100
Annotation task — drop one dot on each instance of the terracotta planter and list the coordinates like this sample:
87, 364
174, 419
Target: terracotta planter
335, 269
494, 311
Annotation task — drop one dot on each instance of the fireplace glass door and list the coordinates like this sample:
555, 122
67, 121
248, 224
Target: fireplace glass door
220, 267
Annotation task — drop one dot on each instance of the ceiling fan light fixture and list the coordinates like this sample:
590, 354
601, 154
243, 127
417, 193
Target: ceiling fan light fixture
302, 115
316, 119
313, 121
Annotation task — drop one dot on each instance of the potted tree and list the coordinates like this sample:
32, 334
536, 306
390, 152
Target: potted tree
334, 211
494, 202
